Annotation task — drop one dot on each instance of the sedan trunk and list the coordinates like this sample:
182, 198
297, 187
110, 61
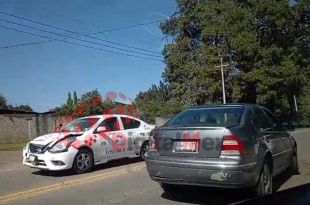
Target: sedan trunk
190, 142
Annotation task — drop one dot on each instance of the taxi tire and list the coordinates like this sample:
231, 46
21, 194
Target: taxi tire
75, 166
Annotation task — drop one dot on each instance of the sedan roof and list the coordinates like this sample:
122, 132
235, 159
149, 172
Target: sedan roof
225, 105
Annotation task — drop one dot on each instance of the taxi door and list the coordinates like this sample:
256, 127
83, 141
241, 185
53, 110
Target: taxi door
111, 141
135, 135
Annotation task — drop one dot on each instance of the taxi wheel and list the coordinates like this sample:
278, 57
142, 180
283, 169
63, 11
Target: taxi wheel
83, 161
144, 149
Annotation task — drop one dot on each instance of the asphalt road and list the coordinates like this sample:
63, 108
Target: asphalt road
121, 182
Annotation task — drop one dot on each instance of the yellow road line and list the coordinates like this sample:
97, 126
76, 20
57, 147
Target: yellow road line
70, 183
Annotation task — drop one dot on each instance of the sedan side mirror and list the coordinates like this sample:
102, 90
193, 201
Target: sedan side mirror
101, 129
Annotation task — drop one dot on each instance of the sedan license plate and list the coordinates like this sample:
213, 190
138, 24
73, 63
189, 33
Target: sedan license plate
185, 146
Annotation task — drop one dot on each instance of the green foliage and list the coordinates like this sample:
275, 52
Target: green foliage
107, 103
87, 97
4, 105
3, 102
70, 103
9, 143
75, 98
90, 103
25, 108
156, 102
265, 42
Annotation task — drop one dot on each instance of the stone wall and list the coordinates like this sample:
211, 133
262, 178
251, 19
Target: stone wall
16, 126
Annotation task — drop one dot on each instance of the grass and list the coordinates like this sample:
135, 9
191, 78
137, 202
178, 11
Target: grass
12, 144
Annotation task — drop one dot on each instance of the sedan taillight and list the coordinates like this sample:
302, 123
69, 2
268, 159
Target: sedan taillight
232, 145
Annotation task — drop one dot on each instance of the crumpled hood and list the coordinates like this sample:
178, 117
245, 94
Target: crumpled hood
53, 137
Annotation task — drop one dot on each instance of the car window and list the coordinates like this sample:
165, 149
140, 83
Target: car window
111, 124
263, 121
213, 117
130, 123
256, 121
275, 122
80, 124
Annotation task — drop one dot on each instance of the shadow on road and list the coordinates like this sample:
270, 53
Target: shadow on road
110, 164
281, 179
204, 195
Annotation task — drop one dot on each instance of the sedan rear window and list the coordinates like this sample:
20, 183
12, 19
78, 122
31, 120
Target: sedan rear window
208, 117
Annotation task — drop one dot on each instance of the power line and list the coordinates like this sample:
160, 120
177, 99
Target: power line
78, 44
86, 41
88, 35
107, 30
76, 20
126, 27
25, 44
49, 41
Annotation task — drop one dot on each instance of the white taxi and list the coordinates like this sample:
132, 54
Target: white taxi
89, 141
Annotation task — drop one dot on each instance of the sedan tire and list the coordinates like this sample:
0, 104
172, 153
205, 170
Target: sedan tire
294, 168
264, 185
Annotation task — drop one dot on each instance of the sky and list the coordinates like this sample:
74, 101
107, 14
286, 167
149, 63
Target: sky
41, 75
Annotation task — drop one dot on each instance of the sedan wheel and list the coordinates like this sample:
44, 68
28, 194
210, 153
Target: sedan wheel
264, 186
144, 149
83, 162
293, 168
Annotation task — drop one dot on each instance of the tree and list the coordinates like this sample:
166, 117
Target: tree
91, 103
70, 104
3, 102
4, 105
265, 42
69, 100
157, 102
24, 108
75, 98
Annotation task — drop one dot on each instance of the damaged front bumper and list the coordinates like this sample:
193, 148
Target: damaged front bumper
50, 161
203, 174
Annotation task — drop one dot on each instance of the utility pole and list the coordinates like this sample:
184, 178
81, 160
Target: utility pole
296, 109
295, 102
223, 81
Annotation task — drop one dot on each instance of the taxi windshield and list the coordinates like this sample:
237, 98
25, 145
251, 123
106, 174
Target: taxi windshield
80, 125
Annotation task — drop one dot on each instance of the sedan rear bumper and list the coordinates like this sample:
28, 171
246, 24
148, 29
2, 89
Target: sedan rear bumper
219, 175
